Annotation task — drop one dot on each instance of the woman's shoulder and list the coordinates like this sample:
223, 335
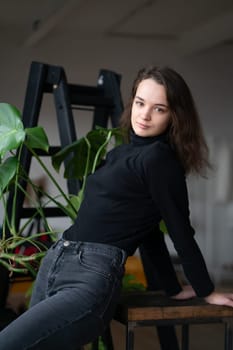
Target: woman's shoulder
158, 151
162, 157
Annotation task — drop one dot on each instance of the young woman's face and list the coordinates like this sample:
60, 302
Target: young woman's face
150, 115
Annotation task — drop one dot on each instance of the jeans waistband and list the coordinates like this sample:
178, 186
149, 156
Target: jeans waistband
106, 249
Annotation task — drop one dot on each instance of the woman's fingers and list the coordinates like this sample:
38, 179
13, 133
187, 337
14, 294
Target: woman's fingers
220, 299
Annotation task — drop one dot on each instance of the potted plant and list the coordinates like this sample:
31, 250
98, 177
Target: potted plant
87, 152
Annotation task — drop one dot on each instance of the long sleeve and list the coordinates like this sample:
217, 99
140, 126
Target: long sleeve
168, 189
158, 267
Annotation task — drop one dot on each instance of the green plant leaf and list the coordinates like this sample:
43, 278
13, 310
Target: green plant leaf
7, 172
76, 153
75, 202
12, 132
75, 156
37, 138
60, 156
76, 163
118, 134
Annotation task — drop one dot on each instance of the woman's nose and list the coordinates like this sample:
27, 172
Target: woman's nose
146, 114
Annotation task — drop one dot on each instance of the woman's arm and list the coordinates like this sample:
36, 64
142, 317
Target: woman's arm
158, 267
167, 185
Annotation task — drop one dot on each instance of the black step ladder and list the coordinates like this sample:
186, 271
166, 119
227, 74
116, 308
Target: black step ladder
104, 100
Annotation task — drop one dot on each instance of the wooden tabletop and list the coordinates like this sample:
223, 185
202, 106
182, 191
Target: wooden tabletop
135, 306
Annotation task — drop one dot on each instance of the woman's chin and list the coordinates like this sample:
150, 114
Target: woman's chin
143, 132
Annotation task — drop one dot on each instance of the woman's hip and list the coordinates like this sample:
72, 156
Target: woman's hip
95, 269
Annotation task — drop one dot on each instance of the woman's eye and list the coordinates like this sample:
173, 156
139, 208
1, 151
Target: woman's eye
158, 109
139, 103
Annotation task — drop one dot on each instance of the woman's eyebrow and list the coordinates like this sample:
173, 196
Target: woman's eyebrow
140, 98
156, 104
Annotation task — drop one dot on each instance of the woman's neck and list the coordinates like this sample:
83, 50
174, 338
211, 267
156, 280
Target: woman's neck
140, 140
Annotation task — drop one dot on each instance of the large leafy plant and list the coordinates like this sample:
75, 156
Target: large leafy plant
84, 156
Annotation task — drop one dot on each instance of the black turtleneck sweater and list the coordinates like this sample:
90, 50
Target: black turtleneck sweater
139, 184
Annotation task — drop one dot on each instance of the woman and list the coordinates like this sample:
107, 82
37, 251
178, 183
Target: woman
140, 183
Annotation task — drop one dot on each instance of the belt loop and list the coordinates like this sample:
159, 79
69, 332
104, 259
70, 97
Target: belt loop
55, 244
78, 246
123, 257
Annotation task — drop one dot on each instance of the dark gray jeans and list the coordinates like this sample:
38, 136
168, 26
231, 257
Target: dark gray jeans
73, 300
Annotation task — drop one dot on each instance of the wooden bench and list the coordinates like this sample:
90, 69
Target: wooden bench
152, 308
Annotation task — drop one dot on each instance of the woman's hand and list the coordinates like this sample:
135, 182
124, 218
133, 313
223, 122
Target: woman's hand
186, 293
220, 299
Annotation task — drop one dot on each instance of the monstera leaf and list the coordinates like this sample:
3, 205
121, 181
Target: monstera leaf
12, 132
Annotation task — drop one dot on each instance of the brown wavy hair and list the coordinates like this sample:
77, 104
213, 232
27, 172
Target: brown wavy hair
185, 131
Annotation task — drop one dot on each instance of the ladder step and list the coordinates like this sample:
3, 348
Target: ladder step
48, 211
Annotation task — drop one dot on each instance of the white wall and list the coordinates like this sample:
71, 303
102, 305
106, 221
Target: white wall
210, 77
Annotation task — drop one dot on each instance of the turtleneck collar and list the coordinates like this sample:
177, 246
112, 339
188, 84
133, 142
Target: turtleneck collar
141, 141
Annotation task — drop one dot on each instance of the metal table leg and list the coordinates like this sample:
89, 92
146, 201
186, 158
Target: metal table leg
228, 335
130, 336
185, 337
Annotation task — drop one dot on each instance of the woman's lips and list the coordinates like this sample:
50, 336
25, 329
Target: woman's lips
142, 126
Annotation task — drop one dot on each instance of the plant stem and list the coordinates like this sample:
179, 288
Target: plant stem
87, 165
51, 177
13, 213
100, 150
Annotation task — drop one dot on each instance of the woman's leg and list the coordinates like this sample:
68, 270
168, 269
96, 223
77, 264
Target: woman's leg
81, 291
53, 323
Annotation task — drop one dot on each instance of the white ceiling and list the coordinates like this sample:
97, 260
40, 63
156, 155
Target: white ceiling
192, 26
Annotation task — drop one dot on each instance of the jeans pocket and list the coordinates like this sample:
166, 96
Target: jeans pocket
96, 262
